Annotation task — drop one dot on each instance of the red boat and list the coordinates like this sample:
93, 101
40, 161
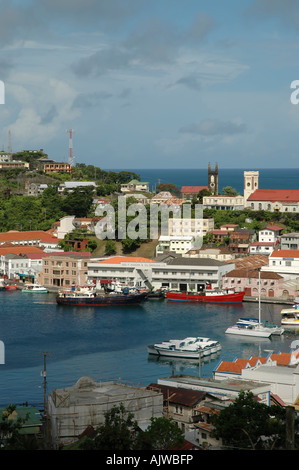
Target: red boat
207, 296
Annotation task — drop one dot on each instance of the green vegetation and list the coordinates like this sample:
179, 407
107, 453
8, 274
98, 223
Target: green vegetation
249, 424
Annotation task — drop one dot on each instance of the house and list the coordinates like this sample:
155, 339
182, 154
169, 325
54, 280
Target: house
30, 418
247, 280
50, 166
134, 185
69, 186
189, 192
220, 253
161, 197
180, 404
71, 410
262, 248
240, 240
270, 234
289, 241
274, 200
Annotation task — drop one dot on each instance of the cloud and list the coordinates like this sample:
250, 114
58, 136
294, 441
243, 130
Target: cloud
88, 100
154, 43
213, 127
190, 81
285, 11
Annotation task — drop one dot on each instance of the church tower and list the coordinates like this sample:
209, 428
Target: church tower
213, 180
251, 183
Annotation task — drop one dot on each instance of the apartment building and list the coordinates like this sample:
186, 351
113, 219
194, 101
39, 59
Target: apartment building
65, 269
188, 227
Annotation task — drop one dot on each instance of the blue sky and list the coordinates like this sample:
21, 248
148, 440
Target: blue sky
152, 84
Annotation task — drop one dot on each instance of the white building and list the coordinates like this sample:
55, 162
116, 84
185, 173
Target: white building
187, 227
177, 273
134, 185
178, 244
261, 248
270, 233
289, 241
285, 263
223, 202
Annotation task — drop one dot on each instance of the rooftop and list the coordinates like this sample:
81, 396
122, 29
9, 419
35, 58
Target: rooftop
285, 254
275, 195
127, 259
193, 189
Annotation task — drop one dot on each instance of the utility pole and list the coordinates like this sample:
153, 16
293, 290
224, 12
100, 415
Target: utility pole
44, 375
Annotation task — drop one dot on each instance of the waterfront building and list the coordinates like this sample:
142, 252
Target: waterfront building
247, 280
64, 269
175, 272
72, 410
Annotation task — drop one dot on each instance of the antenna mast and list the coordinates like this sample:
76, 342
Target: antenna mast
71, 158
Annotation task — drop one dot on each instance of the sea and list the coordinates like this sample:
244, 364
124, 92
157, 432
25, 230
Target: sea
110, 343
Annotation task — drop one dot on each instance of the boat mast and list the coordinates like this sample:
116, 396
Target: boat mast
259, 297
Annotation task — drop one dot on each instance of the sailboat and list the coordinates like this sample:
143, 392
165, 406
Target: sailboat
254, 326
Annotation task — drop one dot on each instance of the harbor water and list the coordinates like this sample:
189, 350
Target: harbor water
110, 343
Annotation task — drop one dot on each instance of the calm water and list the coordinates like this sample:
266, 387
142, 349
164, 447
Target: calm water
268, 178
110, 343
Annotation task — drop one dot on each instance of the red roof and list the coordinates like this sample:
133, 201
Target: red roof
273, 195
193, 189
15, 235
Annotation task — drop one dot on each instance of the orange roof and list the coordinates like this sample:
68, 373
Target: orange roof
285, 254
239, 364
14, 235
127, 259
19, 250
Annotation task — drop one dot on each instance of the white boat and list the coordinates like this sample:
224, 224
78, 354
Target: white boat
246, 329
254, 326
276, 330
188, 348
36, 288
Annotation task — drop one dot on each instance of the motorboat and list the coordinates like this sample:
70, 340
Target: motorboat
35, 288
290, 316
188, 348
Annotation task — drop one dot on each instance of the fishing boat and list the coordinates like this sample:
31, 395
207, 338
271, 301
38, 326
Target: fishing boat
290, 316
223, 296
35, 288
188, 348
254, 326
87, 296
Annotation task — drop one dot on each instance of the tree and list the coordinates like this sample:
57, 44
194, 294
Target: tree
229, 191
162, 434
78, 201
110, 247
247, 423
118, 431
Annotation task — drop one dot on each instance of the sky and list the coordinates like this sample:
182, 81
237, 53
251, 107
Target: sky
152, 84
